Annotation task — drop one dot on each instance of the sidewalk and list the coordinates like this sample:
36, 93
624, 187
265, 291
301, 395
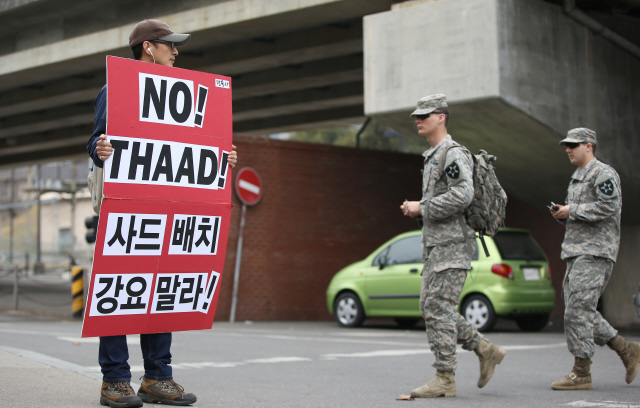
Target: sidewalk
38, 380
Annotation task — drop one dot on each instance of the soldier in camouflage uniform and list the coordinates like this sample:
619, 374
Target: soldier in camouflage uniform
592, 237
448, 245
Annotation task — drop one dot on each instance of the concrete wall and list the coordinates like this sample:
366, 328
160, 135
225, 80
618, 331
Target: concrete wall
617, 301
565, 76
422, 47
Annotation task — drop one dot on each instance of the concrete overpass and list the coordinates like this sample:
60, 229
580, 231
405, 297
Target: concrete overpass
518, 74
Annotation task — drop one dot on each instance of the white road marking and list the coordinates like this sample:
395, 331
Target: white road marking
400, 353
132, 340
602, 404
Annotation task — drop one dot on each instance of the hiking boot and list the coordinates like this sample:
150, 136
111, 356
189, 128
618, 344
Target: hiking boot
629, 353
489, 355
442, 385
119, 394
164, 391
578, 379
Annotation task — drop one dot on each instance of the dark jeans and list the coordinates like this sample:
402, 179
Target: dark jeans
156, 353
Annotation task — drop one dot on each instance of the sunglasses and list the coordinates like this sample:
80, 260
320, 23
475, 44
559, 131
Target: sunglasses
572, 145
172, 45
425, 116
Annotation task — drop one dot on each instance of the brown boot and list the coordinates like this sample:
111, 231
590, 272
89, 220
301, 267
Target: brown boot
442, 385
165, 392
629, 353
489, 355
578, 379
119, 395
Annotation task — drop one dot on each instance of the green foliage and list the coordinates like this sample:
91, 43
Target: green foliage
376, 136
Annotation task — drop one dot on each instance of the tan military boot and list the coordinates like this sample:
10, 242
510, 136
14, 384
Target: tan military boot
489, 355
442, 385
578, 379
629, 353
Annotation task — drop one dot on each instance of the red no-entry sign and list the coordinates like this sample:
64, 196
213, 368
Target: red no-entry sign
248, 186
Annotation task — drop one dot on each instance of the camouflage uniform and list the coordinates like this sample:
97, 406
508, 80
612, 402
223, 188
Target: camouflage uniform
590, 246
448, 245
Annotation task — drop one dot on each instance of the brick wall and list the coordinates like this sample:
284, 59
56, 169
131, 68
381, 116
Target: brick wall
322, 208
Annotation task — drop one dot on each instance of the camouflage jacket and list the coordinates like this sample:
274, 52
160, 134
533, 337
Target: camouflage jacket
593, 227
446, 192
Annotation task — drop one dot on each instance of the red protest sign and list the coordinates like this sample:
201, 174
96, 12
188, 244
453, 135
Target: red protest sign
164, 221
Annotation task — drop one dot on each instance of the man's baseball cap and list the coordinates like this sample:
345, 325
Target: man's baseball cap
430, 103
152, 30
580, 135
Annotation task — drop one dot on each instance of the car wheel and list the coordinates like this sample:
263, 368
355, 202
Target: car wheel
348, 310
478, 311
532, 323
406, 322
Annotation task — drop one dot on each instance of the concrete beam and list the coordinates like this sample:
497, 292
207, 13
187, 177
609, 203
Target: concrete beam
298, 101
226, 22
299, 121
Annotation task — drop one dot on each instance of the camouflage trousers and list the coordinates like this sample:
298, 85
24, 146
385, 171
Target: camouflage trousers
585, 280
445, 326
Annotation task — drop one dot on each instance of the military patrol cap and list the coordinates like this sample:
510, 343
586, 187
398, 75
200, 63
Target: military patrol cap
580, 135
430, 103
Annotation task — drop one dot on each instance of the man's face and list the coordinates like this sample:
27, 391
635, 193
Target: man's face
427, 125
578, 153
163, 53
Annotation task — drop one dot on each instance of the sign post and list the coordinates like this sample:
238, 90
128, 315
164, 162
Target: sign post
249, 191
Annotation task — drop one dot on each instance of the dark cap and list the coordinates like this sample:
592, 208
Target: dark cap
580, 135
151, 30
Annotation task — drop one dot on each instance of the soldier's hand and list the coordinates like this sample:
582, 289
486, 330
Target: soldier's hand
410, 208
562, 213
103, 148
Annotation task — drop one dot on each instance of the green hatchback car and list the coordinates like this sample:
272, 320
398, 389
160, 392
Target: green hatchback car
514, 281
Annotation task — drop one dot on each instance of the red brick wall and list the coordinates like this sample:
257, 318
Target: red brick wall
322, 208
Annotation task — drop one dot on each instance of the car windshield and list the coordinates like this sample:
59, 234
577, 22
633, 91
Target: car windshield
518, 245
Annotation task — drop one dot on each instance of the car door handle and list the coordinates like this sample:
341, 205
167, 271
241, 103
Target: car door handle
414, 270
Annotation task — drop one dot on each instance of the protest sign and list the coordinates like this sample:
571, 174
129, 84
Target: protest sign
165, 215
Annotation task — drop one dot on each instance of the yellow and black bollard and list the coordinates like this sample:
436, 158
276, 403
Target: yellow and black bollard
77, 291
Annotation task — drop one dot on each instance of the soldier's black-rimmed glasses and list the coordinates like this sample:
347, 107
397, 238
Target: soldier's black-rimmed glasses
426, 115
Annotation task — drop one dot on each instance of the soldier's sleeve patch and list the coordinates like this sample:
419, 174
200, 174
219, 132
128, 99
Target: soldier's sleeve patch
606, 186
453, 171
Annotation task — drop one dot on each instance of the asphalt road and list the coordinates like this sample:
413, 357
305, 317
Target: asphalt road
309, 364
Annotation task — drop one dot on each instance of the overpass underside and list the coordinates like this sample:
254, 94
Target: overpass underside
294, 64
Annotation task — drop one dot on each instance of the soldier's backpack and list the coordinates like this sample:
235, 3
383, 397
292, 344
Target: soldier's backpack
487, 210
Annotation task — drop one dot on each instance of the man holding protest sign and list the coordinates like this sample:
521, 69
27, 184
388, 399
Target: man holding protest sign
151, 41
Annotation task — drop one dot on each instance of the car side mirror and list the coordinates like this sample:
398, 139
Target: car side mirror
382, 262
